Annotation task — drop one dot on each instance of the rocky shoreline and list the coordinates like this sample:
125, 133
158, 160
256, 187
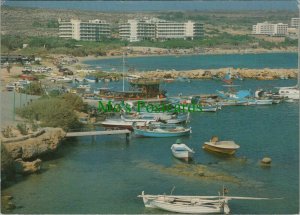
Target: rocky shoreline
22, 155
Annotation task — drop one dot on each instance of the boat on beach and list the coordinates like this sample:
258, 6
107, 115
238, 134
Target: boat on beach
182, 151
224, 147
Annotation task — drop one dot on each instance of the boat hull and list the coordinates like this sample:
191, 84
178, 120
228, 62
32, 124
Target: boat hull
182, 151
148, 133
219, 150
186, 155
187, 209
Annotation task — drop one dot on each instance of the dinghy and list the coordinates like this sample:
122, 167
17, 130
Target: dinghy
192, 204
167, 130
182, 151
225, 147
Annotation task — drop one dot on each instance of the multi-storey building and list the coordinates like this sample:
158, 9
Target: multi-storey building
295, 22
141, 29
136, 30
93, 30
270, 29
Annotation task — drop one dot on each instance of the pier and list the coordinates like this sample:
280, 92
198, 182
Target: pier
98, 133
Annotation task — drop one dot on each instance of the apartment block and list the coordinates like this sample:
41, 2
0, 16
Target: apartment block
270, 29
93, 30
157, 29
295, 22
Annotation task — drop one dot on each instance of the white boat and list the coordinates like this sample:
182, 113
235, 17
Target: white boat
182, 151
167, 130
64, 79
225, 147
289, 92
119, 123
192, 204
189, 207
260, 102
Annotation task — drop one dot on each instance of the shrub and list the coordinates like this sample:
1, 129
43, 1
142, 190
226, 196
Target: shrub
22, 128
52, 112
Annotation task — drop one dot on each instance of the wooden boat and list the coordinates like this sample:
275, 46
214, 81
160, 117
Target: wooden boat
260, 102
161, 131
192, 204
225, 147
121, 124
182, 151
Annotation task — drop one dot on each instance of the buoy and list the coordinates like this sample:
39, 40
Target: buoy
266, 161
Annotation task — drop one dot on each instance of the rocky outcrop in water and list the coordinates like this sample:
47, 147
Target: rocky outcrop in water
32, 148
21, 155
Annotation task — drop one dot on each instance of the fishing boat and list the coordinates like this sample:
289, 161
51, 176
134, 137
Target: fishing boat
121, 124
260, 102
232, 103
182, 151
166, 130
192, 204
289, 92
225, 147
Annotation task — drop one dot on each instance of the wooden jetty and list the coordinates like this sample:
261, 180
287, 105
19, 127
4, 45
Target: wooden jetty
97, 133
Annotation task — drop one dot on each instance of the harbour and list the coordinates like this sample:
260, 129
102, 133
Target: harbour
123, 170
150, 107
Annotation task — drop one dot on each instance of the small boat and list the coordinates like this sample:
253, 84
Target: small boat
167, 130
289, 92
90, 79
182, 151
225, 147
260, 102
192, 204
121, 124
64, 79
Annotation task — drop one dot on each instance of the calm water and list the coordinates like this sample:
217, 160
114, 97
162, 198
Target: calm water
188, 62
106, 174
128, 6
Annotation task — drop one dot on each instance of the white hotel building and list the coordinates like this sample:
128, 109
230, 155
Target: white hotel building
270, 29
93, 30
157, 29
295, 22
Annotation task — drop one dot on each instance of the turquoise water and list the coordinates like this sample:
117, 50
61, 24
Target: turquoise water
127, 6
105, 174
188, 62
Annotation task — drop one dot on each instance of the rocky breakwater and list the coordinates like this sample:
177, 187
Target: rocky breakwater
259, 74
21, 155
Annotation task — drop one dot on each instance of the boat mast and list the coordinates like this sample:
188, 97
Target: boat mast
123, 71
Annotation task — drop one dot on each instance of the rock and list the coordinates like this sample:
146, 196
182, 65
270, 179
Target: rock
7, 204
7, 198
33, 147
23, 167
7, 165
10, 206
266, 161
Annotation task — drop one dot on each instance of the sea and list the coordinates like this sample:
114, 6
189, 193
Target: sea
200, 61
105, 174
132, 6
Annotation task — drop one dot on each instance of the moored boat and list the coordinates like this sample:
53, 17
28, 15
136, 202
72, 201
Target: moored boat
225, 147
121, 124
182, 151
167, 130
192, 204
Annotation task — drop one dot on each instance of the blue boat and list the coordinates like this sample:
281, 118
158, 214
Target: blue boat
162, 131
